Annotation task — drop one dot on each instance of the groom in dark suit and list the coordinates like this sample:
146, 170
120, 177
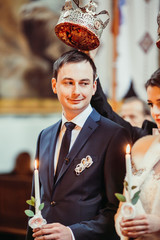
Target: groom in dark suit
78, 188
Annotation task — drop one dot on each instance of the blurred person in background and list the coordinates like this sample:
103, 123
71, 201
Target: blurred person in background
135, 111
22, 165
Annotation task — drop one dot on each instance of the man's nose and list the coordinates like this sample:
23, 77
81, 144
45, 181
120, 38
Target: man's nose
76, 89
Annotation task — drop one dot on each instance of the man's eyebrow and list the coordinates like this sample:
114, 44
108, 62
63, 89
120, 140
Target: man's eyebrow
158, 100
149, 101
85, 79
82, 80
67, 78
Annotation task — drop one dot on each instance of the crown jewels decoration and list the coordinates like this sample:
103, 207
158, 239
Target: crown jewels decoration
81, 28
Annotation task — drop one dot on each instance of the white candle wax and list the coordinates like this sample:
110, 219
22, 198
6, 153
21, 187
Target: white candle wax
128, 170
37, 194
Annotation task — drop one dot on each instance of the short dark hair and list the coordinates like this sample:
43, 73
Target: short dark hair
154, 80
73, 56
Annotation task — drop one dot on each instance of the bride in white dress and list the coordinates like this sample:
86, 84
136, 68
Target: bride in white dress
146, 176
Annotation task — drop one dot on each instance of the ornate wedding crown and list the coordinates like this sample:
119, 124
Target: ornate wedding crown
80, 28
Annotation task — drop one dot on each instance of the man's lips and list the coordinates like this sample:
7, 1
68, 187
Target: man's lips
75, 100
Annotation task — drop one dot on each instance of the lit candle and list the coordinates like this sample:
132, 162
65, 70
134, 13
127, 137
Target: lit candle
36, 183
128, 170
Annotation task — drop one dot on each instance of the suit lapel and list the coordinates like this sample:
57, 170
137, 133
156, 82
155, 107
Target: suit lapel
88, 128
53, 141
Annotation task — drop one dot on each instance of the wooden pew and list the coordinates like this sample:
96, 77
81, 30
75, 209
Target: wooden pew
14, 191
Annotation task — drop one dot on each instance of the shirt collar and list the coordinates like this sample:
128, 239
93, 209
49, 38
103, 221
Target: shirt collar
80, 119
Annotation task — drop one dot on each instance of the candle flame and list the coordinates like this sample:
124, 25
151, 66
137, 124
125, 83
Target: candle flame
35, 164
128, 149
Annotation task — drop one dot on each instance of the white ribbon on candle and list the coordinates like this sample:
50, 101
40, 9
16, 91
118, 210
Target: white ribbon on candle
37, 191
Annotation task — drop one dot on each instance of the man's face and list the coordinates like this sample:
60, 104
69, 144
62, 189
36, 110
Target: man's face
133, 113
74, 87
153, 95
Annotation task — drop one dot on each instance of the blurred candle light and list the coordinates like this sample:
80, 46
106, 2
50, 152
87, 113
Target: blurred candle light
128, 170
37, 191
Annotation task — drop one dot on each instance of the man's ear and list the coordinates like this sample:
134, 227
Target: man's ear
54, 85
94, 87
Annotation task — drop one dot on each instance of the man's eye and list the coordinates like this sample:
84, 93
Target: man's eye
84, 83
68, 83
150, 104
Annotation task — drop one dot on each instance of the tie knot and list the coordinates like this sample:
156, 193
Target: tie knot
70, 125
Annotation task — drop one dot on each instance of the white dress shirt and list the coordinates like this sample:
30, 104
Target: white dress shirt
79, 121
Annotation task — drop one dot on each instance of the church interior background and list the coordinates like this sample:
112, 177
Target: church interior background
126, 58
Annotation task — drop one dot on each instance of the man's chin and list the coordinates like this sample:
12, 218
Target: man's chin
77, 108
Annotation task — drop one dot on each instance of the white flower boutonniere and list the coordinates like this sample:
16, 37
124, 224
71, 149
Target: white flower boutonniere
85, 163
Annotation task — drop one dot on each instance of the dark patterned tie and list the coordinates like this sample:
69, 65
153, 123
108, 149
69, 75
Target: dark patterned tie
64, 146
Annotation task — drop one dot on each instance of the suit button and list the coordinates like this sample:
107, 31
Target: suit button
67, 160
53, 203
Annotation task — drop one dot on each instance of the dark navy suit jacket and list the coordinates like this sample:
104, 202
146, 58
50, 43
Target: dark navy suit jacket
86, 202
